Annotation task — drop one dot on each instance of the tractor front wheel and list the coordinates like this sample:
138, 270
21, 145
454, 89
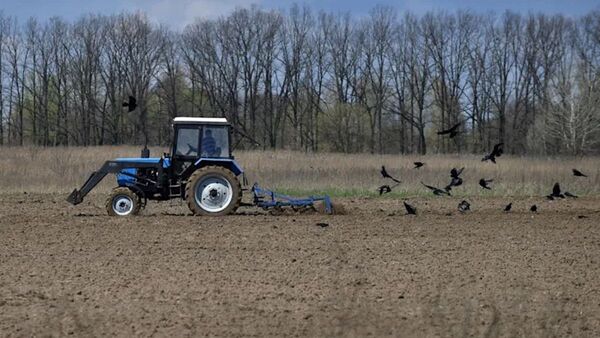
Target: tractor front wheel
213, 191
123, 202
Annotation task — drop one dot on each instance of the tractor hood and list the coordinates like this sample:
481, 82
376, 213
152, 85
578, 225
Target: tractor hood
126, 177
166, 161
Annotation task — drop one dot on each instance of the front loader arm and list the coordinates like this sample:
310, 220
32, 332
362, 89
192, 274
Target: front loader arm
109, 167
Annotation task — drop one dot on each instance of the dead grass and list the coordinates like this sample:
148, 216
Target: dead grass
59, 170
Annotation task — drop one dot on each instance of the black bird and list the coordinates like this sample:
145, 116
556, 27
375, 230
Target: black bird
323, 225
508, 207
384, 189
464, 206
533, 208
418, 165
578, 173
131, 104
410, 210
555, 192
568, 194
385, 174
452, 131
456, 181
484, 183
436, 191
455, 173
496, 152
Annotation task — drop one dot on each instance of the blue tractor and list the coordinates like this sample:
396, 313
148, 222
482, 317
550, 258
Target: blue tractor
200, 170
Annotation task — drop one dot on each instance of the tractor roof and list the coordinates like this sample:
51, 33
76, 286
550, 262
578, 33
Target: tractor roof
200, 120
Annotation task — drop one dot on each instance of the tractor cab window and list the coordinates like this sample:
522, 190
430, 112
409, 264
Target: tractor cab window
215, 141
187, 142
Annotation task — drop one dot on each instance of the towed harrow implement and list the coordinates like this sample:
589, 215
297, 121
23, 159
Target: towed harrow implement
270, 200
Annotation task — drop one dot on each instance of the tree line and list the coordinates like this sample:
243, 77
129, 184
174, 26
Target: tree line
384, 83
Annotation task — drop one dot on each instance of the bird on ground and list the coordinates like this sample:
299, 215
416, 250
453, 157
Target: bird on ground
508, 207
453, 131
533, 208
578, 173
464, 206
436, 191
484, 183
418, 165
455, 173
322, 225
131, 104
568, 194
384, 189
555, 192
496, 152
385, 174
410, 210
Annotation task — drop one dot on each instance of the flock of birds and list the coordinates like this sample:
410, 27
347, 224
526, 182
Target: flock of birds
456, 180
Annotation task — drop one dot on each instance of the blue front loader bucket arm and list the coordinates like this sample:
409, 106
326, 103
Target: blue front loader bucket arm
268, 199
109, 167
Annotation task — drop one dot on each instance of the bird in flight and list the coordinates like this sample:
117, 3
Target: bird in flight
453, 131
455, 173
456, 180
578, 173
385, 174
555, 192
533, 208
436, 191
384, 189
418, 165
410, 210
484, 183
508, 207
464, 206
496, 152
131, 104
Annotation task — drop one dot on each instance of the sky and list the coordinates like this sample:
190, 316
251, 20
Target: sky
178, 13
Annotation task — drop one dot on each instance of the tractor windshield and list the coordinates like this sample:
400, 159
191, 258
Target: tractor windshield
215, 141
187, 142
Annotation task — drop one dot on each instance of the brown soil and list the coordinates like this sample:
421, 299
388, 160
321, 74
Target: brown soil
74, 270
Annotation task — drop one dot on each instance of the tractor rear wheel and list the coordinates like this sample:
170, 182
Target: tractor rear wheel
123, 202
213, 191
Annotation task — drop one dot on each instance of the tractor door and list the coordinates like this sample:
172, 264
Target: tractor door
215, 141
186, 146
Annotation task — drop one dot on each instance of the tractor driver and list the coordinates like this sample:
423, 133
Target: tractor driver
209, 145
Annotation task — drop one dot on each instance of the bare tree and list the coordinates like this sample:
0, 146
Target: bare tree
380, 83
447, 38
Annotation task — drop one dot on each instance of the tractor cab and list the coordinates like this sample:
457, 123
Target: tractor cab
196, 137
199, 137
